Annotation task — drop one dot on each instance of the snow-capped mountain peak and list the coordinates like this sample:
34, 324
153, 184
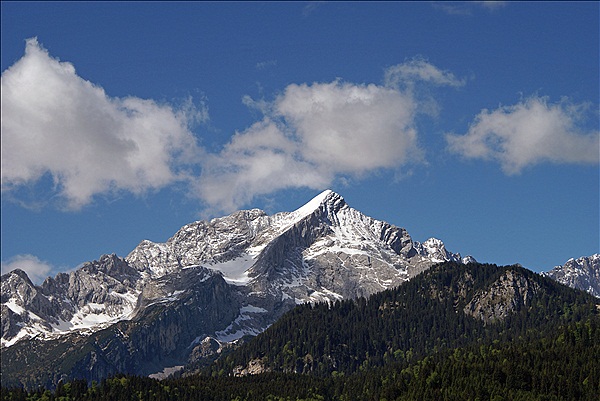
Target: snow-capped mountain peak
314, 204
228, 244
582, 273
225, 278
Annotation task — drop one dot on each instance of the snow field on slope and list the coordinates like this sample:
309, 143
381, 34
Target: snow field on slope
235, 271
230, 334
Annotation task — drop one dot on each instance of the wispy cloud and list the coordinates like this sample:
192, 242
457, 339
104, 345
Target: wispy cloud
419, 70
263, 65
54, 122
311, 7
467, 8
492, 5
36, 269
257, 161
528, 133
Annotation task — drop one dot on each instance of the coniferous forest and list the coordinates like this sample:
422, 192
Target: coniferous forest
526, 338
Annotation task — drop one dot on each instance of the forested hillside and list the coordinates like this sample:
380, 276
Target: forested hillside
452, 305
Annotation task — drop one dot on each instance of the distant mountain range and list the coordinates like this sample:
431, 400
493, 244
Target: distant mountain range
183, 302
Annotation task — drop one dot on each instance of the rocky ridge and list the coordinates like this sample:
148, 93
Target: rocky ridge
582, 273
88, 299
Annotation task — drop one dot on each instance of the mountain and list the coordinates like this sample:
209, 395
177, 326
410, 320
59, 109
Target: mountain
453, 332
447, 307
168, 304
582, 273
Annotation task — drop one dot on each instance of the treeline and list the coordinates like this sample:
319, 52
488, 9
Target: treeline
564, 367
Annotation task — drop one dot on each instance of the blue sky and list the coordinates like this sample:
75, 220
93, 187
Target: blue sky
475, 123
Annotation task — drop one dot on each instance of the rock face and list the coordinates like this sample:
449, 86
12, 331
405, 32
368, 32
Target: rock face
213, 282
582, 273
507, 295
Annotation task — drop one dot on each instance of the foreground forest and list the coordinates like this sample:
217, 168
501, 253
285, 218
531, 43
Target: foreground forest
564, 367
525, 338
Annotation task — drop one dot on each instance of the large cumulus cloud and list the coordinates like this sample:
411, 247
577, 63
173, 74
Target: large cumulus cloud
315, 133
54, 122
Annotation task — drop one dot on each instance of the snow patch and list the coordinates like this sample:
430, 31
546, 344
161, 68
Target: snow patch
325, 295
13, 306
235, 271
62, 326
311, 206
20, 335
166, 372
230, 334
252, 309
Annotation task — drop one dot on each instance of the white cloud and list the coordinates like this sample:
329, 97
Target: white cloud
530, 132
351, 129
55, 122
311, 7
310, 136
314, 134
419, 70
36, 269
